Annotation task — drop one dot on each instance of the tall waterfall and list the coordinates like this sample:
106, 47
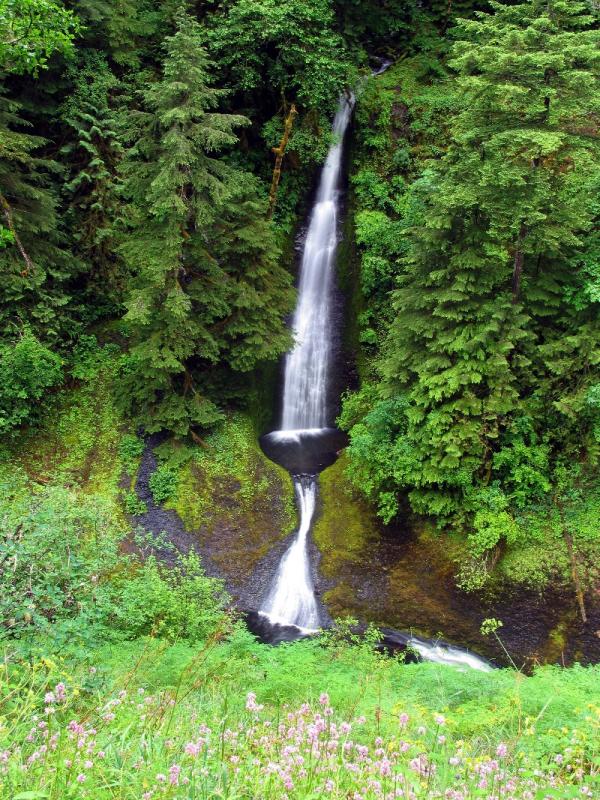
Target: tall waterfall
307, 366
291, 599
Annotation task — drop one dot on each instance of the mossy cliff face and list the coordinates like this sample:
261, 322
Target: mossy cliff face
236, 503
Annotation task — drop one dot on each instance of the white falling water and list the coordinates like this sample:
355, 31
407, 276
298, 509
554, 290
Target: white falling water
307, 365
291, 599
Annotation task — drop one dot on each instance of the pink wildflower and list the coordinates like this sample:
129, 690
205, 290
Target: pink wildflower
174, 771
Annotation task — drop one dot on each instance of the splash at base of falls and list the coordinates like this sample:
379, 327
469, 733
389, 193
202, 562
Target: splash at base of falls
291, 601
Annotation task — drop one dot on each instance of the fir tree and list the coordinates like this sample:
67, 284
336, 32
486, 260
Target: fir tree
35, 267
489, 253
92, 187
194, 300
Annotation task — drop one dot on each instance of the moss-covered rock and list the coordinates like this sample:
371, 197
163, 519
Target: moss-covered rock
237, 502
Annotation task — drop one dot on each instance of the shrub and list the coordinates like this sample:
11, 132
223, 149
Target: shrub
28, 369
163, 484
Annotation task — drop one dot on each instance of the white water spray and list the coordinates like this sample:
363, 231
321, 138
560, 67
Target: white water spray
307, 367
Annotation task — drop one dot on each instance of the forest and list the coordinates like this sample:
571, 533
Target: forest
165, 190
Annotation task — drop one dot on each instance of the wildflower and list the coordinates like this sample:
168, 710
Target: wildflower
60, 690
161, 778
192, 749
403, 720
88, 764
324, 699
81, 777
559, 758
440, 720
501, 750
251, 703
174, 771
49, 698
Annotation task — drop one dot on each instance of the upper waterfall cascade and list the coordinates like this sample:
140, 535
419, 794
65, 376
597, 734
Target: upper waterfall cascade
307, 367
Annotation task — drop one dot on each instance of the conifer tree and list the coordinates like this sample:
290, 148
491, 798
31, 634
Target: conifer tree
92, 188
489, 252
194, 300
35, 267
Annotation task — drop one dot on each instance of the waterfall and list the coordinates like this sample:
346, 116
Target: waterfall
291, 598
305, 444
307, 367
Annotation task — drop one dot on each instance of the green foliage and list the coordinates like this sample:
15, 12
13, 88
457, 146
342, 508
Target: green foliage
62, 572
56, 552
203, 263
131, 448
163, 484
289, 46
489, 234
35, 267
174, 603
132, 504
28, 370
31, 31
92, 156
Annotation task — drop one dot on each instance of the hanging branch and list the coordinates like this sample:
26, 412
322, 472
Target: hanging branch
11, 226
280, 152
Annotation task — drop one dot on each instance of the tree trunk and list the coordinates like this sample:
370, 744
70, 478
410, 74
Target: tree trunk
280, 152
518, 265
11, 226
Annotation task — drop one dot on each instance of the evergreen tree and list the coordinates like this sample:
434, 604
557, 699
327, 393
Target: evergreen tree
92, 188
35, 267
496, 223
193, 301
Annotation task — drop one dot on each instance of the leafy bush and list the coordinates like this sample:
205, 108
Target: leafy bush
163, 484
62, 572
131, 448
172, 602
55, 550
28, 369
133, 504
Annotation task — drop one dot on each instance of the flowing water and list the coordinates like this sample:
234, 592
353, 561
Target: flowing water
306, 443
304, 423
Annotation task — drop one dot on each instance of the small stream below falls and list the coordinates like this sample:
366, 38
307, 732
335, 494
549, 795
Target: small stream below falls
306, 441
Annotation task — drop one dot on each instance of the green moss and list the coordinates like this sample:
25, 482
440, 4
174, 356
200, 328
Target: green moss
231, 495
345, 529
78, 442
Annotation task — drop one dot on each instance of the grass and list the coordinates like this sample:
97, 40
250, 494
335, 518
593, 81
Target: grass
234, 719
